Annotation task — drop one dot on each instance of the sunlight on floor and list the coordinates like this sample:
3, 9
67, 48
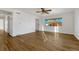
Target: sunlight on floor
56, 29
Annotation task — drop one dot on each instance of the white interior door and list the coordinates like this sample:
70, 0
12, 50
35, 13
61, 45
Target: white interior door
37, 24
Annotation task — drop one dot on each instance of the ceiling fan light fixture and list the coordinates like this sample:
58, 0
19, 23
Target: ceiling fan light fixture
44, 11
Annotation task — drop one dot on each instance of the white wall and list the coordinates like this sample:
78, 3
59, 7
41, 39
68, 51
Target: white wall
20, 23
67, 25
1, 24
23, 23
76, 23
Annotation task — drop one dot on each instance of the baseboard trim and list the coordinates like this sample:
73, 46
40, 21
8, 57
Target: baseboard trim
60, 32
76, 36
21, 34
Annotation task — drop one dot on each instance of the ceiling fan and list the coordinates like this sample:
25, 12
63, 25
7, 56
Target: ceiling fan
43, 10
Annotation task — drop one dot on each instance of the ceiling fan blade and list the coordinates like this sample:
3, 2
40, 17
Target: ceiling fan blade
46, 12
49, 10
42, 9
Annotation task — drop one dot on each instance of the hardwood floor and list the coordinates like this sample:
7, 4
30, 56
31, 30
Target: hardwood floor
39, 41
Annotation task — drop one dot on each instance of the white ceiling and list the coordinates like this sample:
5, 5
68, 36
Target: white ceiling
54, 11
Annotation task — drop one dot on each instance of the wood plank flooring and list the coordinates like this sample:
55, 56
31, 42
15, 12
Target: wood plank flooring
39, 41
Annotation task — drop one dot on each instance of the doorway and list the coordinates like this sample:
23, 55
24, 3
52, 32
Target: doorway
3, 25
